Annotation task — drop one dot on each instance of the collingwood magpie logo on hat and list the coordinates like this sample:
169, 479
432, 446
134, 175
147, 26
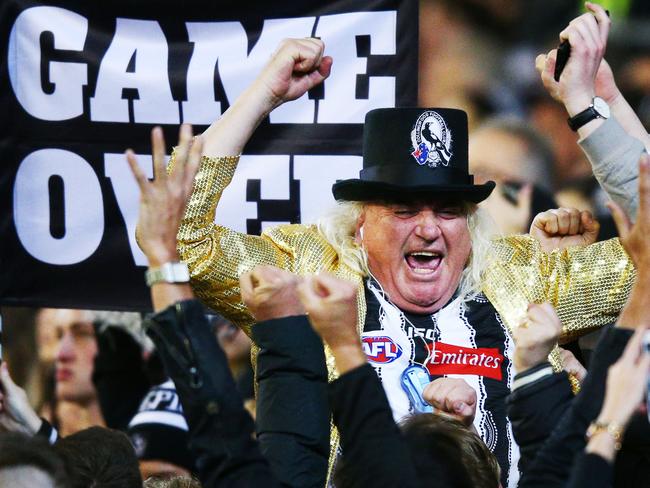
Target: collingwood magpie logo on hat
431, 140
389, 173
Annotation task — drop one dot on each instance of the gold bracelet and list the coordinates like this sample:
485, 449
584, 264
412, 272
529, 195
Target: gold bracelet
614, 430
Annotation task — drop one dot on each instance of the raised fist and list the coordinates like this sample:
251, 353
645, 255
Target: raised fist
536, 336
270, 293
331, 304
296, 66
564, 227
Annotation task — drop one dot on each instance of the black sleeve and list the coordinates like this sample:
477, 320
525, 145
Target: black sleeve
221, 430
552, 465
48, 432
374, 451
292, 410
119, 377
591, 471
534, 409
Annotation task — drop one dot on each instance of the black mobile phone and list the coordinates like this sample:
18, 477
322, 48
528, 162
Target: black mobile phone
563, 53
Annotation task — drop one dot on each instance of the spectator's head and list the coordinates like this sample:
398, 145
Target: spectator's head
175, 482
442, 446
26, 462
509, 150
444, 453
74, 354
159, 434
99, 457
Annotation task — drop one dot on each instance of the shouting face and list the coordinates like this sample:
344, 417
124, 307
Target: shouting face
417, 251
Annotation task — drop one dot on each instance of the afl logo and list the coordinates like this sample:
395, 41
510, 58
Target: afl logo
381, 349
431, 140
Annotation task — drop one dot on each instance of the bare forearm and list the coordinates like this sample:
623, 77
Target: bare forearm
165, 294
629, 120
348, 357
602, 445
229, 134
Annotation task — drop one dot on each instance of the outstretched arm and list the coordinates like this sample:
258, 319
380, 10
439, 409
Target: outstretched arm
296, 66
215, 255
612, 146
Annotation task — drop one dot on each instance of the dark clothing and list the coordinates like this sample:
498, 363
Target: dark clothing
591, 471
221, 430
292, 400
374, 452
554, 462
534, 410
292, 412
119, 376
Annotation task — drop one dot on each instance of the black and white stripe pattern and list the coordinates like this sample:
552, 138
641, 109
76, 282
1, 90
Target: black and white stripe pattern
465, 328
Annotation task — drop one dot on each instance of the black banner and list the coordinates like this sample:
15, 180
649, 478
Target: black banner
81, 83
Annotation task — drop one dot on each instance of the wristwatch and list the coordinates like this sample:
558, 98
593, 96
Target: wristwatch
597, 109
168, 273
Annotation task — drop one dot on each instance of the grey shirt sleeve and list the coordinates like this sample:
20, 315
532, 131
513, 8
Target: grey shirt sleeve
614, 157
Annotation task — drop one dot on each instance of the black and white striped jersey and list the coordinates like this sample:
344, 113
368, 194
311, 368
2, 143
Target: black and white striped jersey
467, 340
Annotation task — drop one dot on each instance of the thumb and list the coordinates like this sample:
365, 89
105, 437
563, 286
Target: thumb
7, 383
622, 221
307, 294
590, 225
323, 284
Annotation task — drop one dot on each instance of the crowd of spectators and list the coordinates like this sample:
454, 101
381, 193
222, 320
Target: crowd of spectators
171, 399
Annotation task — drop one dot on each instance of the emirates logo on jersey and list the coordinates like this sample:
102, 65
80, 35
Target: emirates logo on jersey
452, 359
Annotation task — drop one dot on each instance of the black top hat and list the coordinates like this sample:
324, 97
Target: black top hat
414, 152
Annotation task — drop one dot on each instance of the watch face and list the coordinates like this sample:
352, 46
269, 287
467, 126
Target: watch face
601, 107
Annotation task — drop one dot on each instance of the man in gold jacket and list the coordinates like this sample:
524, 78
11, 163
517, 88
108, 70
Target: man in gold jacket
435, 291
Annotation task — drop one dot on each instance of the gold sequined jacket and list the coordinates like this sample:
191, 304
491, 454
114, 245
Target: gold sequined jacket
587, 285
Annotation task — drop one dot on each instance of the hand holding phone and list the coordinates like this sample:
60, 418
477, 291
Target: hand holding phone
563, 54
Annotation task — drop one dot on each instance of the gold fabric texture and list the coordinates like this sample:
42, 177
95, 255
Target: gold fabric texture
588, 285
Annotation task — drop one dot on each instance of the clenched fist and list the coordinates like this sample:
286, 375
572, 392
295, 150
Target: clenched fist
453, 396
296, 66
270, 293
536, 336
564, 227
331, 304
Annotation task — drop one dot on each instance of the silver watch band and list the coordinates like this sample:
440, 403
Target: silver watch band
168, 273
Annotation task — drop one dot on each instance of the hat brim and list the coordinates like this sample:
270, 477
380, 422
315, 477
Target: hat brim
364, 191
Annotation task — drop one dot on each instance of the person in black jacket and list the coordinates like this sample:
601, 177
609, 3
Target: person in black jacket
602, 414
292, 415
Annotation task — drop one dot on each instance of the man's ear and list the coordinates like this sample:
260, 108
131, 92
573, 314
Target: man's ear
358, 234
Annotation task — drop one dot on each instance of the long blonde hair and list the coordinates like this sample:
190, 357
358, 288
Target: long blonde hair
338, 226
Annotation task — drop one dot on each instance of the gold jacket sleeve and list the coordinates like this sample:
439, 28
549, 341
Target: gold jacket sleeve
588, 285
216, 255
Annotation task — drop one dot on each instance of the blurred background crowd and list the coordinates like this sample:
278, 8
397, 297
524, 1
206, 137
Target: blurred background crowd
477, 55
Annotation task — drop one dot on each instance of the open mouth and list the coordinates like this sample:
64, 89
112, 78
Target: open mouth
423, 262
